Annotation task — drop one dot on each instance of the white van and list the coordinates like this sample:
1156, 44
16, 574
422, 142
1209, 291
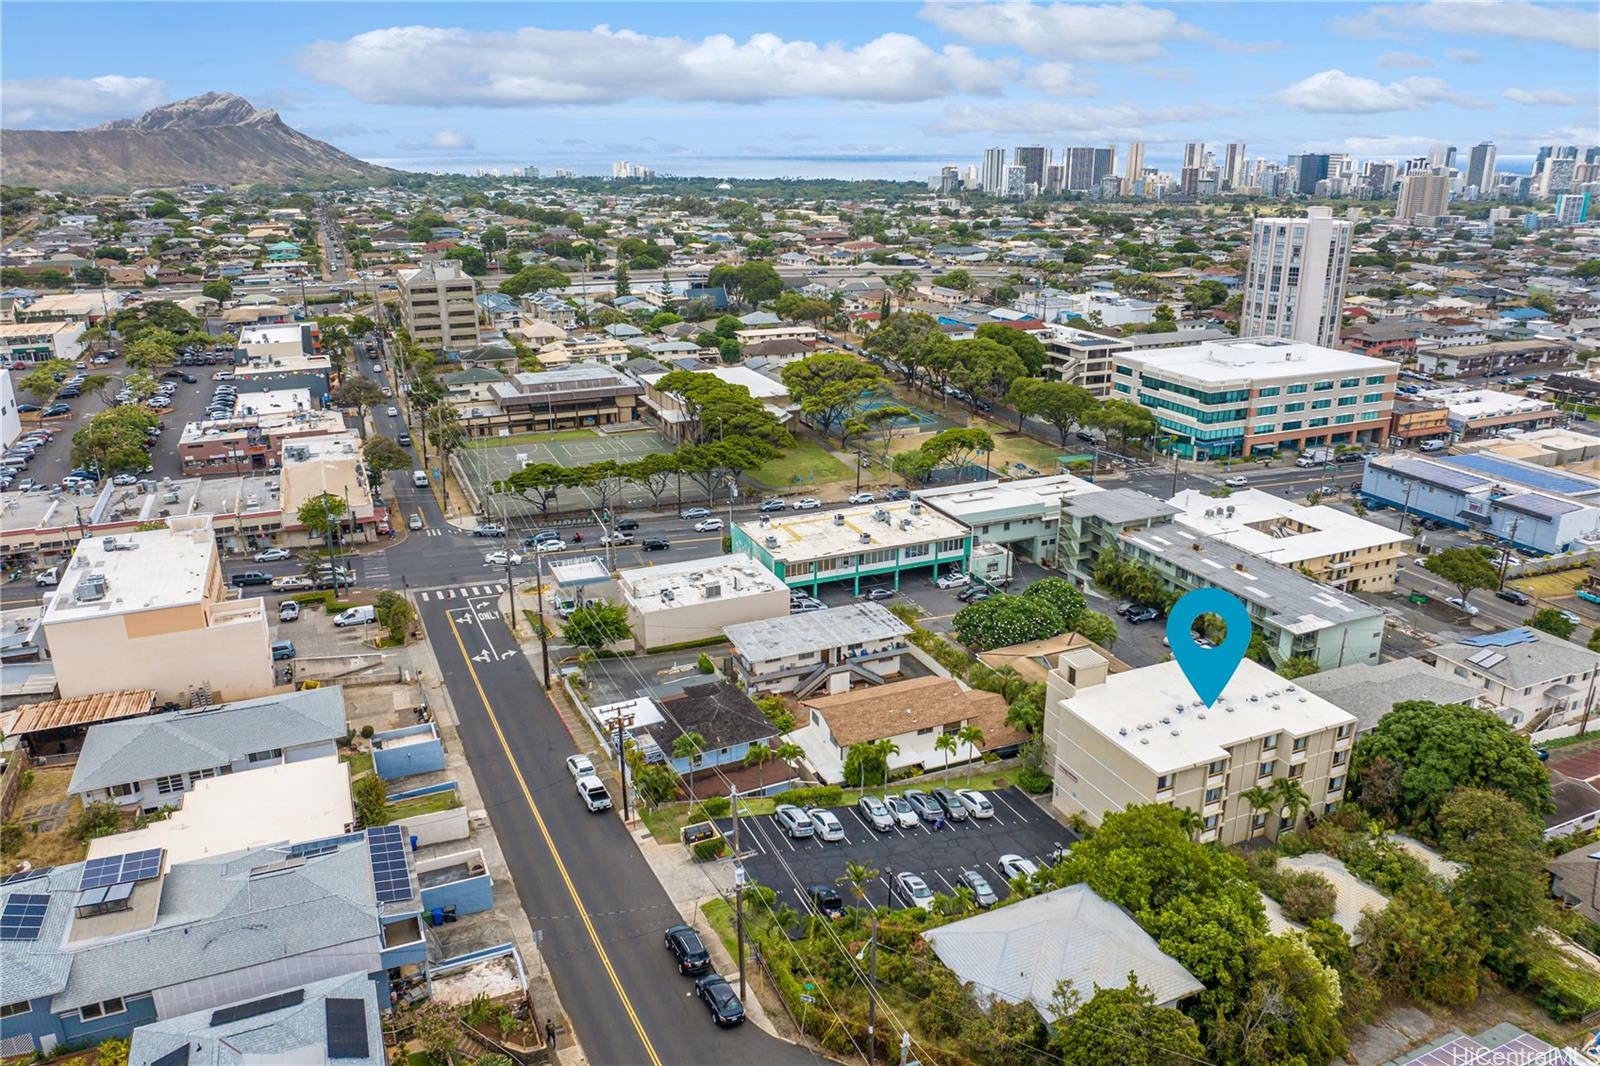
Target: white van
419, 478
1431, 446
357, 616
48, 578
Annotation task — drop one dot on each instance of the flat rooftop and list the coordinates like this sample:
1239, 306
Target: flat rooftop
280, 333
296, 801
274, 401
1278, 529
1024, 494
1154, 715
836, 627
697, 581
1485, 403
1253, 359
278, 363
146, 571
821, 534
306, 421
761, 387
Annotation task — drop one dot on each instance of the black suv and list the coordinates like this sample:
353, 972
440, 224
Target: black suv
625, 524
1521, 599
825, 898
686, 946
655, 544
720, 998
251, 577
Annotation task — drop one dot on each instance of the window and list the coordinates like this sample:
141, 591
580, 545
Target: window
925, 732
1319, 421
1267, 409
1295, 770
1321, 405
1322, 386
1376, 379
1269, 743
200, 775
1329, 808
1349, 383
1340, 420
1339, 757
1164, 782
169, 784
1372, 397
90, 1011
1216, 768
1296, 424
1211, 821
1344, 730
1295, 389
270, 755
11, 1010
1347, 401
1213, 795
1258, 821
123, 790
1335, 784
1266, 768
1271, 390
1299, 744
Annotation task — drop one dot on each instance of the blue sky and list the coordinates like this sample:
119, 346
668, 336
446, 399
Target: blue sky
860, 89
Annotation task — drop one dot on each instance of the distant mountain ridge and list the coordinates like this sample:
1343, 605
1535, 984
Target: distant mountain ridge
214, 137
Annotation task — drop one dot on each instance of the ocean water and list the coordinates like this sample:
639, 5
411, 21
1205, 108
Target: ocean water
846, 167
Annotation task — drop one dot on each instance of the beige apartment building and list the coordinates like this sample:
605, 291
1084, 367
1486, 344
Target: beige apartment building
675, 603
149, 610
1142, 736
438, 305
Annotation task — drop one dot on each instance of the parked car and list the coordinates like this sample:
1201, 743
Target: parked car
403, 439
905, 815
875, 813
982, 894
356, 616
862, 497
1017, 866
655, 544
56, 410
687, 947
953, 580
720, 999
826, 824
288, 611
282, 649
593, 793
879, 594
1468, 609
1521, 599
579, 766
393, 412
954, 809
1570, 616
927, 808
1125, 606
615, 538
913, 891
502, 558
273, 555
807, 503
694, 512
708, 525
250, 577
1237, 481
294, 583
1140, 615
772, 505
826, 901
976, 803
897, 494
488, 529
793, 821
626, 525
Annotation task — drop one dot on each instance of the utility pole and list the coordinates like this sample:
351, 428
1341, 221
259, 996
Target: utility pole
1505, 553
544, 641
622, 762
872, 993
738, 886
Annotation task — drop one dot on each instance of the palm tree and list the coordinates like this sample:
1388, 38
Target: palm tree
1260, 799
858, 875
963, 900
757, 755
1189, 821
885, 748
971, 735
946, 743
788, 753
901, 285
687, 746
1292, 799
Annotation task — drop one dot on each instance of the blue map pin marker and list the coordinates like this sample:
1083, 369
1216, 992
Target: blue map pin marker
1208, 669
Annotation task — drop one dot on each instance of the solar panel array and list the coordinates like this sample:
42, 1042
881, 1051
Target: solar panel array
178, 1056
23, 916
27, 875
311, 848
115, 869
116, 893
1531, 503
390, 875
240, 1011
1465, 1051
347, 1028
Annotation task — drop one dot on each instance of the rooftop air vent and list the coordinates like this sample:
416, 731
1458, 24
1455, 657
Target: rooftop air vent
1122, 732
838, 518
772, 542
1166, 721
1174, 732
866, 538
1254, 698
916, 508
1290, 688
1144, 740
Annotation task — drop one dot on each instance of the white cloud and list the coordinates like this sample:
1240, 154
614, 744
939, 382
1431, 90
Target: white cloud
1111, 33
1572, 25
1092, 122
1463, 55
530, 66
1538, 97
1404, 59
443, 141
1058, 79
1379, 145
73, 102
1335, 92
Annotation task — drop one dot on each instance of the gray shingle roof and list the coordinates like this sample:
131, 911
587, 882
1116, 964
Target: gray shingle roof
1020, 952
138, 749
295, 1033
1540, 661
1370, 691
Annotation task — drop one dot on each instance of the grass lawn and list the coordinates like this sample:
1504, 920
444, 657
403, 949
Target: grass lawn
719, 913
360, 762
532, 438
1550, 586
417, 805
47, 846
665, 821
807, 460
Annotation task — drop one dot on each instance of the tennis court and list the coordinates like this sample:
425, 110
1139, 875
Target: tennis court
917, 417
487, 462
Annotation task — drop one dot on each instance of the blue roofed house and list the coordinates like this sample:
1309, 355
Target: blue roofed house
100, 948
332, 1021
151, 761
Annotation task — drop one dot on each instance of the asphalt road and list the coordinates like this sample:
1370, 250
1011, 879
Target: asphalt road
581, 880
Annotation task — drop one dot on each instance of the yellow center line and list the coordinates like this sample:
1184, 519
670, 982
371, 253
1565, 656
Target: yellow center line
544, 831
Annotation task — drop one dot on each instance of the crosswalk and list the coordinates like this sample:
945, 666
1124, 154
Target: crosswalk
464, 592
375, 569
432, 532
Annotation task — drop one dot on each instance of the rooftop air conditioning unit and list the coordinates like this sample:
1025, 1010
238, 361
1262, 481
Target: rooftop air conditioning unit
916, 508
1230, 510
772, 542
905, 523
666, 595
866, 538
169, 497
91, 588
838, 518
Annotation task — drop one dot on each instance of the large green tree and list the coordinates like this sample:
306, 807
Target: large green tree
533, 279
1060, 403
1026, 346
1290, 1010
44, 379
1123, 1026
322, 514
1421, 947
828, 386
1503, 884
1420, 752
1466, 568
597, 624
112, 441
1004, 620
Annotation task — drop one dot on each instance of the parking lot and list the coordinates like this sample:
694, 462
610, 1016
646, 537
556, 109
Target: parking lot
938, 605
1019, 827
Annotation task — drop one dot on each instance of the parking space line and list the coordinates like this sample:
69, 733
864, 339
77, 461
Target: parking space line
1009, 807
945, 879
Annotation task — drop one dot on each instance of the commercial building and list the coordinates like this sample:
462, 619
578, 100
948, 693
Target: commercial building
1537, 682
1142, 737
439, 306
331, 465
1022, 515
1333, 546
149, 610
668, 409
1082, 358
149, 762
675, 603
1424, 196
1480, 168
581, 396
1258, 395
37, 342
279, 357
84, 307
1294, 615
240, 445
1474, 360
877, 543
1294, 284
912, 714
1488, 412
1411, 422
1533, 508
798, 654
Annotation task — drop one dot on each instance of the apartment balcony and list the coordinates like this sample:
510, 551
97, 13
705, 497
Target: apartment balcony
1344, 743
1209, 809
1208, 835
236, 612
1298, 758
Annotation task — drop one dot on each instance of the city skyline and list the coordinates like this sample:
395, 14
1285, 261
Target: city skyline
840, 90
